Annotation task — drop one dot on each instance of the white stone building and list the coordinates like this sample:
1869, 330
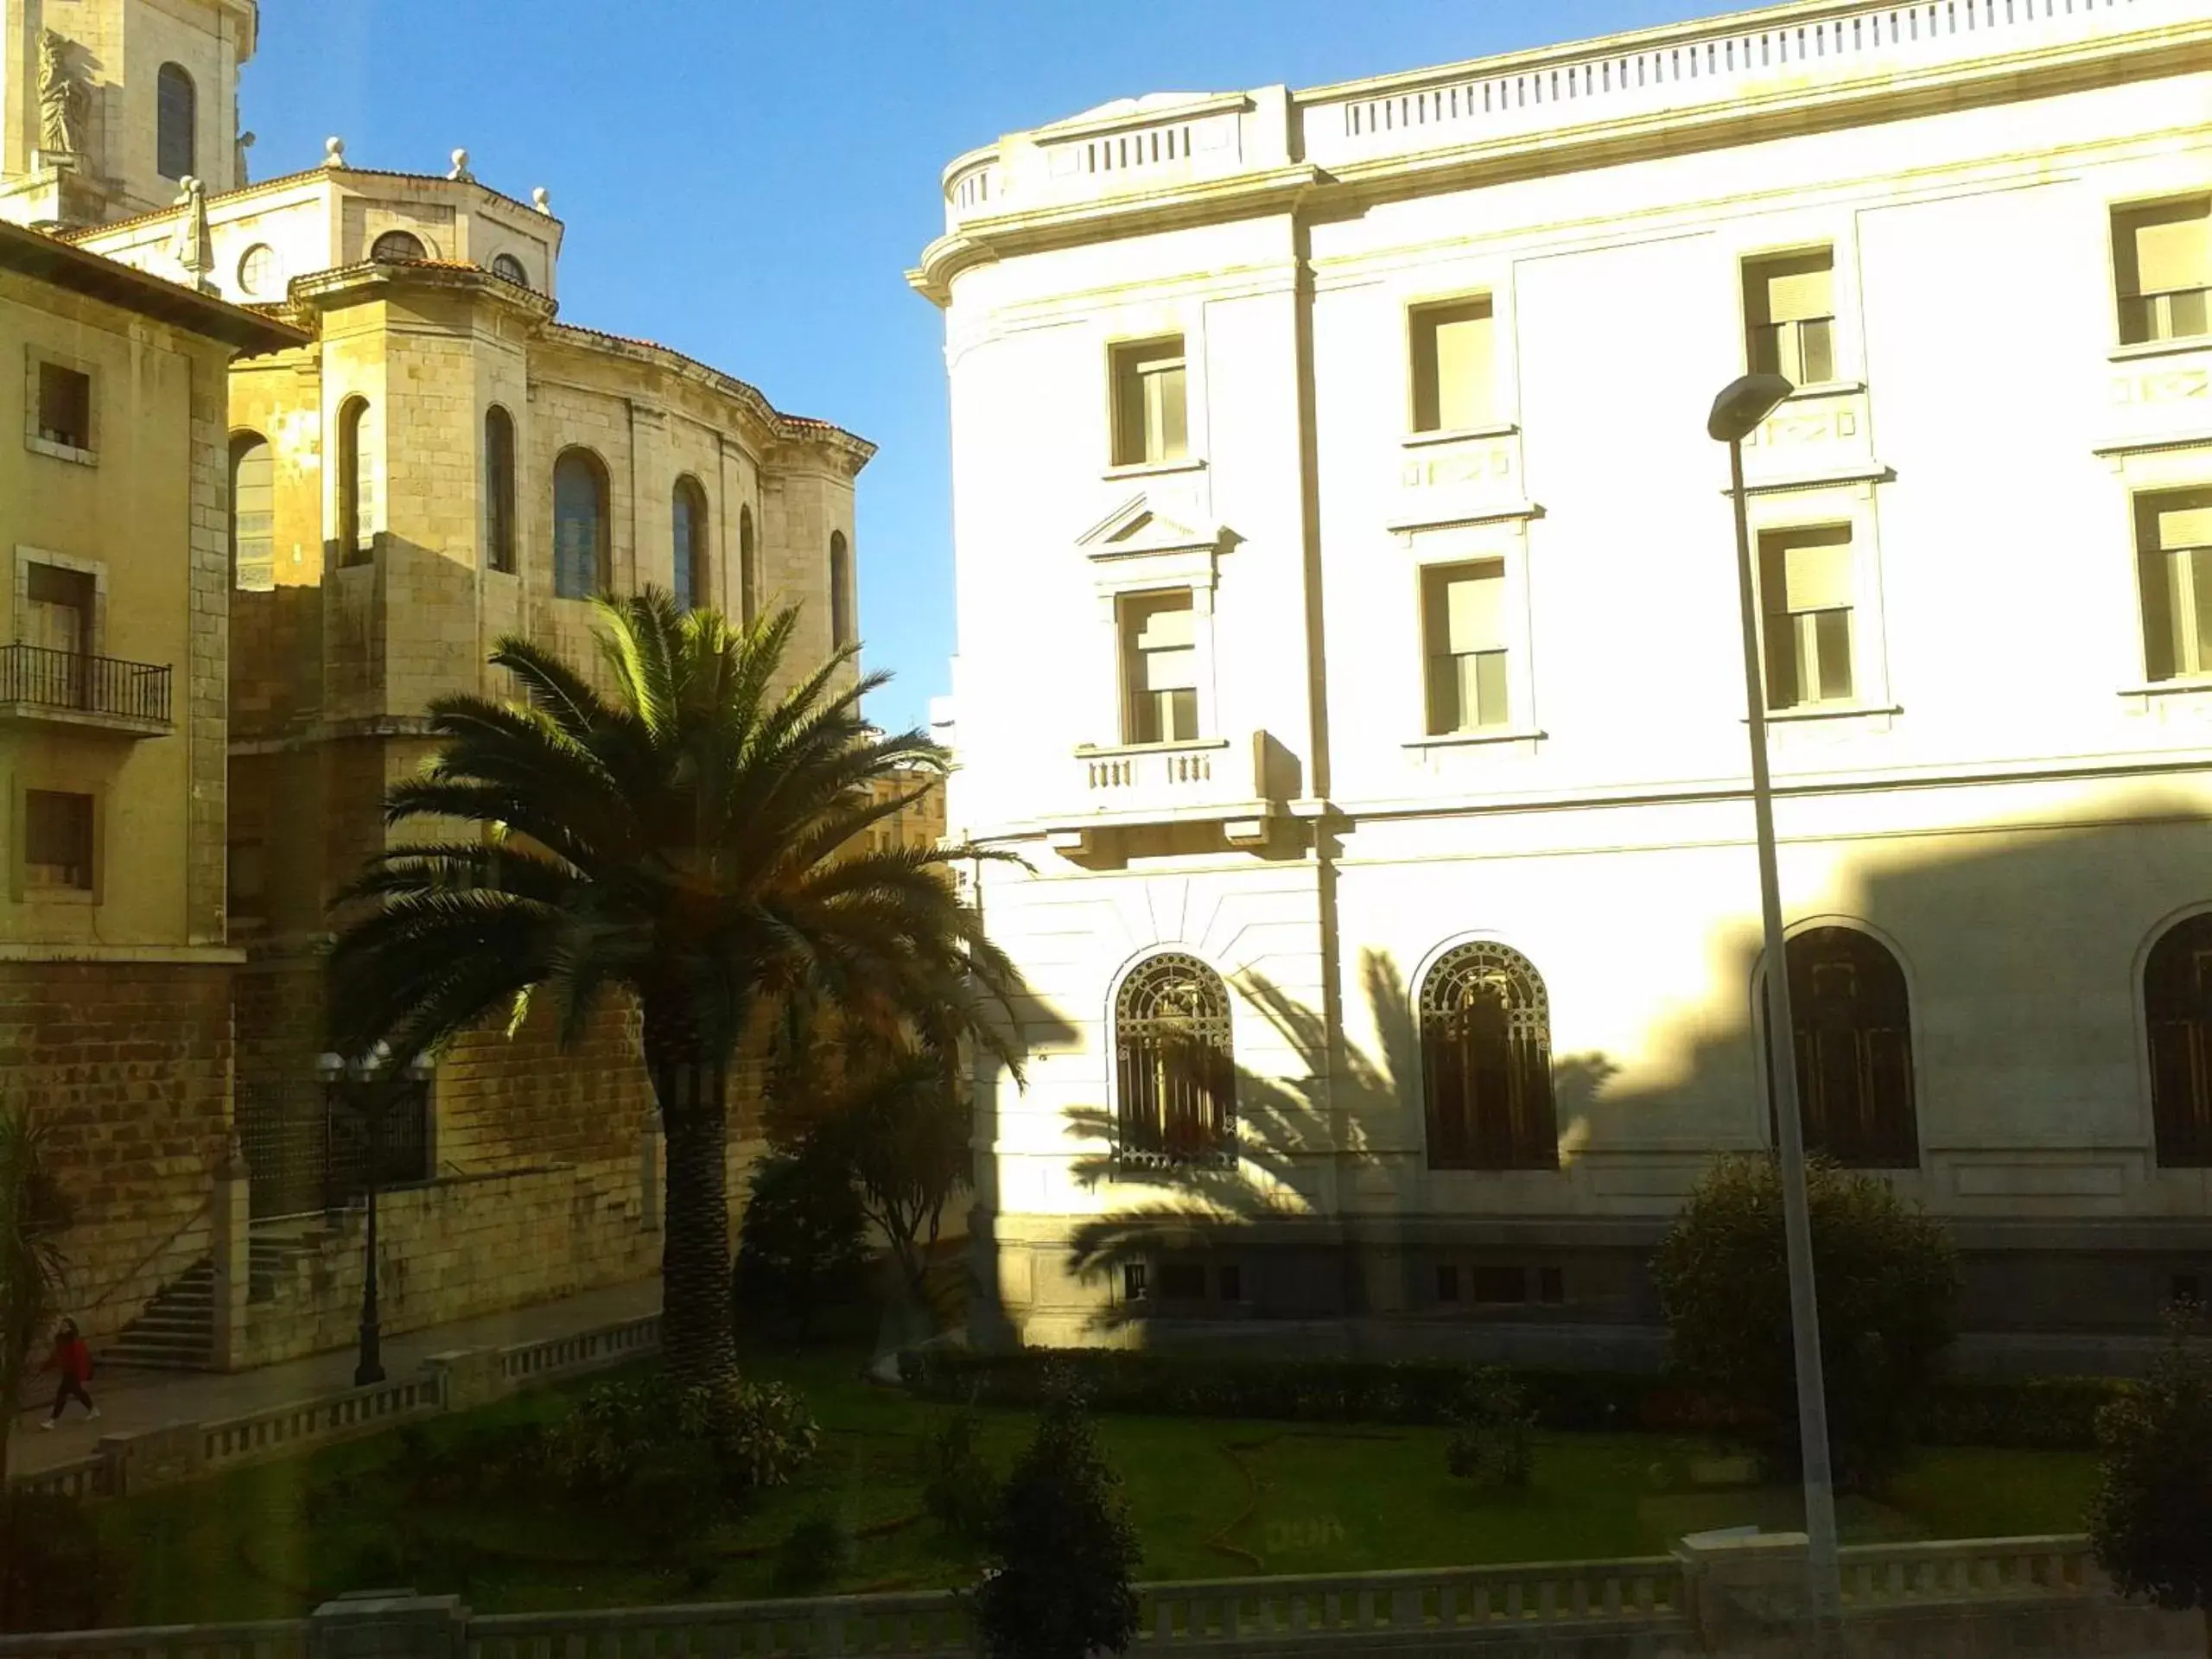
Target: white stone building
1349, 644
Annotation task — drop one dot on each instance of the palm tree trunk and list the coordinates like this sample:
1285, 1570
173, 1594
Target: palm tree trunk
692, 1089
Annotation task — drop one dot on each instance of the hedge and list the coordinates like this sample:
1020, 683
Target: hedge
2038, 1414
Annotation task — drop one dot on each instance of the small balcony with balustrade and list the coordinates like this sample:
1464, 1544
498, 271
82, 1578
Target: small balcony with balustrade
1115, 798
80, 692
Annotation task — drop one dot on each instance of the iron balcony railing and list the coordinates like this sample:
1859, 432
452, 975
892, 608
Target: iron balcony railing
80, 683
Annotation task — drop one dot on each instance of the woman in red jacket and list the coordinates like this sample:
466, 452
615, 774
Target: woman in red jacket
74, 1361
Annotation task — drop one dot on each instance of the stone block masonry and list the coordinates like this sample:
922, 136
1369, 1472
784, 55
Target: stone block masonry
129, 1063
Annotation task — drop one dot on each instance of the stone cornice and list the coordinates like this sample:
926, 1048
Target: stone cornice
1890, 95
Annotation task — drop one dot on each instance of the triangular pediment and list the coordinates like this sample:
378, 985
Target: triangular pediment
1137, 527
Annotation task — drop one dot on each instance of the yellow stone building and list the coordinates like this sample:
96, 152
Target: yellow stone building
1338, 458
114, 969
435, 460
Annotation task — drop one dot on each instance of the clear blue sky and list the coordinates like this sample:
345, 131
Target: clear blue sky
746, 180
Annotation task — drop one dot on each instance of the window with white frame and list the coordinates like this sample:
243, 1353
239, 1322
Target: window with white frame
2161, 259
2173, 543
1464, 633
1808, 586
1454, 367
1151, 417
1160, 668
1790, 316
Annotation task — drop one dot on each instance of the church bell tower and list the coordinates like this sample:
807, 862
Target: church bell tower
106, 106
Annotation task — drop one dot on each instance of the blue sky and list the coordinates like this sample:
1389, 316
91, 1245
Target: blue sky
746, 180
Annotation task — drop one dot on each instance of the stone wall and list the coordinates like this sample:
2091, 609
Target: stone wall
129, 1063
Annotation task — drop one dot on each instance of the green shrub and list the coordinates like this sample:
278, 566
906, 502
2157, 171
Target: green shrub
801, 1243
812, 1555
1063, 1551
959, 1487
1888, 1280
1492, 1445
55, 1574
678, 1457
2038, 1414
2151, 1521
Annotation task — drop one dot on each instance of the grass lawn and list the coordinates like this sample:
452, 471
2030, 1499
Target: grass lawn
1211, 1499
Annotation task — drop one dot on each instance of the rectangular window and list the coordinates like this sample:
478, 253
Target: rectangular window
1789, 309
2162, 255
1453, 371
2173, 542
1160, 669
57, 840
1151, 422
65, 406
1134, 1288
1806, 585
1501, 1285
1447, 1282
1463, 625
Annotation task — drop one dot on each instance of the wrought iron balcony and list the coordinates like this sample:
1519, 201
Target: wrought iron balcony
72, 688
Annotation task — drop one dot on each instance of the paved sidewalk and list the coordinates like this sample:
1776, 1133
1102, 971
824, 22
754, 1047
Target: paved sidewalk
133, 1401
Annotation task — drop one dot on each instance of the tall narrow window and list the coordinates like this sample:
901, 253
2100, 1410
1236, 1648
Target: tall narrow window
745, 575
2177, 1013
253, 547
1789, 309
177, 123
1807, 585
841, 590
1151, 423
58, 848
2162, 256
65, 406
356, 541
687, 519
1160, 668
1452, 371
59, 621
1176, 1098
2173, 550
1462, 620
1486, 1051
499, 489
580, 525
1854, 1049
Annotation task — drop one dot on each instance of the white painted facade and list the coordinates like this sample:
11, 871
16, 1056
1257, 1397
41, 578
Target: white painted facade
2008, 797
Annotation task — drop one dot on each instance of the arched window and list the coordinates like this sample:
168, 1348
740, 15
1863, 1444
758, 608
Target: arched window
356, 542
841, 590
253, 551
499, 489
580, 525
176, 123
395, 247
688, 517
2178, 1011
747, 602
1177, 1099
1487, 1052
1854, 1049
508, 269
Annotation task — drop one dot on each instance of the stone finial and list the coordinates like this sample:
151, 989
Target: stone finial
193, 247
541, 199
333, 152
461, 168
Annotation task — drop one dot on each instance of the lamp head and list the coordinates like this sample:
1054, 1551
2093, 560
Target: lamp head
329, 1067
1742, 404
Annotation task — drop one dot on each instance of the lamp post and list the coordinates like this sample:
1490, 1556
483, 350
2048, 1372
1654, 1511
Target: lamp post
1739, 409
368, 1097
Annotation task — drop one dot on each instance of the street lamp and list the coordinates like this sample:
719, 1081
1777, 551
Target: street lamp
368, 1097
1736, 413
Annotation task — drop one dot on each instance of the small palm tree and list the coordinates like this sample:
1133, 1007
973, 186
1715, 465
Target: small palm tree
34, 1216
686, 839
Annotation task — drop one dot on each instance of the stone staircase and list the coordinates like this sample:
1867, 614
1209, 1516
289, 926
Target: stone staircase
176, 1331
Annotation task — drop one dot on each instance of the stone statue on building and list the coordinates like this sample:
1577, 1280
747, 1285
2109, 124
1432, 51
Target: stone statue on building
193, 248
62, 100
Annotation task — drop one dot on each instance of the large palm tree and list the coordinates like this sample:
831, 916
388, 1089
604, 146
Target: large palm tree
688, 838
